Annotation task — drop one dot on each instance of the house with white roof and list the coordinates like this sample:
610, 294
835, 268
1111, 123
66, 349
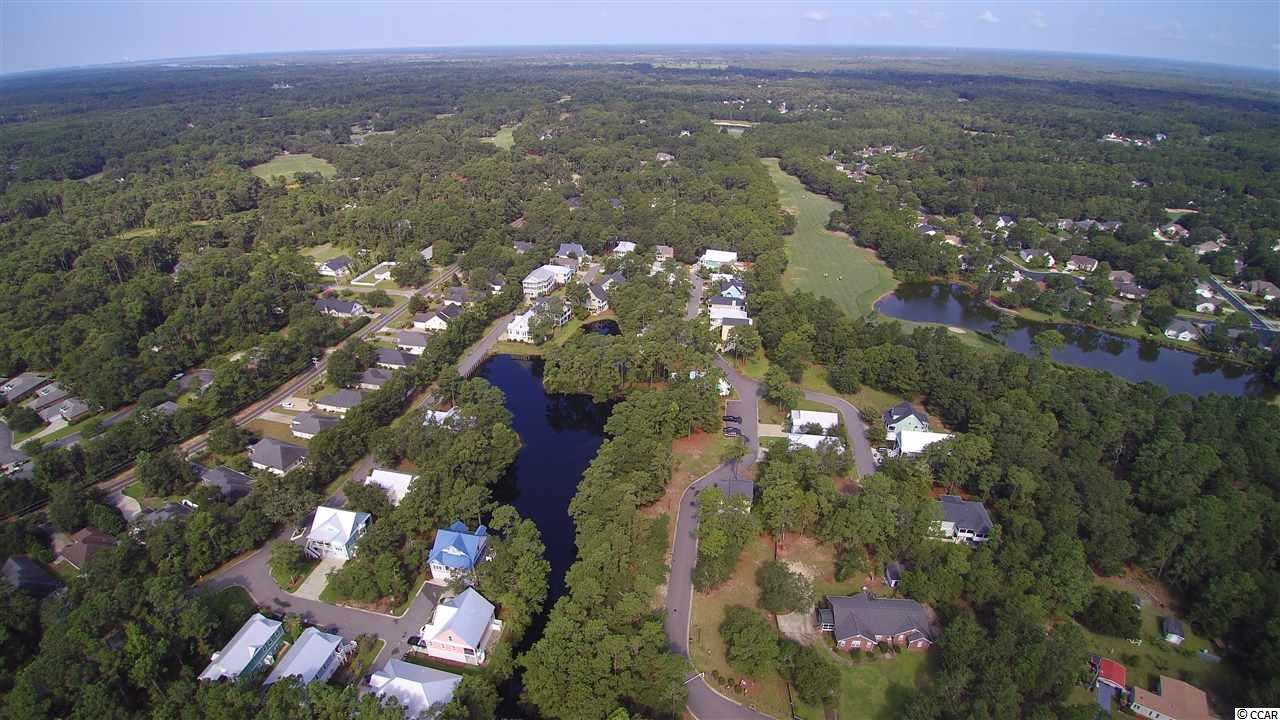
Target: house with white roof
438, 417
623, 247
461, 629
315, 656
814, 442
913, 442
248, 650
799, 419
336, 533
715, 259
539, 282
720, 313
417, 689
396, 484
456, 551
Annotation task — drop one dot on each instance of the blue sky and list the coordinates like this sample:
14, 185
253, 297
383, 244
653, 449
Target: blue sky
54, 33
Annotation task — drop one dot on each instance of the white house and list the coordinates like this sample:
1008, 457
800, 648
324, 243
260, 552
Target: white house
1204, 290
715, 259
438, 417
1182, 330
623, 247
417, 689
799, 419
544, 279
719, 313
1033, 255
340, 401
427, 252
336, 267
461, 629
912, 442
1209, 306
335, 533
814, 442
1083, 263
437, 320
336, 307
396, 484
518, 328
251, 647
414, 343
314, 656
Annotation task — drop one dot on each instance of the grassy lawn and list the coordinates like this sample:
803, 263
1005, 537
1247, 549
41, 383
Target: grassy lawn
232, 605
291, 165
823, 262
877, 687
290, 584
771, 414
367, 649
430, 662
278, 431
505, 139
815, 379
321, 253
1145, 663
706, 650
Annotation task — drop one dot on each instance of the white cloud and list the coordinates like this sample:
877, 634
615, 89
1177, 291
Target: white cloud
1038, 20
1171, 30
988, 17
884, 15
816, 15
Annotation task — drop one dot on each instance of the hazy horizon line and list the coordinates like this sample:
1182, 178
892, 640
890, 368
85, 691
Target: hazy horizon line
1252, 69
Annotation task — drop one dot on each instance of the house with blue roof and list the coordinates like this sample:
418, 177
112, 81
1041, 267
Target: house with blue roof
457, 551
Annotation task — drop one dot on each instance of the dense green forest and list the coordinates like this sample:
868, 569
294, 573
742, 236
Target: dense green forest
136, 243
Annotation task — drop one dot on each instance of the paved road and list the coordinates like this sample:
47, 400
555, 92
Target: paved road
694, 306
198, 443
9, 455
854, 426
253, 574
1256, 321
476, 354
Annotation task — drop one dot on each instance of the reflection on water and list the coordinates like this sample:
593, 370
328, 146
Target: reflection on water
1178, 371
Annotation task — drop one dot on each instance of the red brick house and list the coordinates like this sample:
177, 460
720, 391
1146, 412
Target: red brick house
862, 621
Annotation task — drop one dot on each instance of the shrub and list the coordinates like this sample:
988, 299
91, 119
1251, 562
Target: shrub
24, 419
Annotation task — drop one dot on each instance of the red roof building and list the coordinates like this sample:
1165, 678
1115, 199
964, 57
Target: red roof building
1111, 673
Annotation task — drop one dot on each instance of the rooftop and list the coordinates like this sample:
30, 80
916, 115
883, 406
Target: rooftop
307, 657
236, 655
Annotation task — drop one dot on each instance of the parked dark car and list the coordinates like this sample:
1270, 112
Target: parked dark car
732, 418
732, 432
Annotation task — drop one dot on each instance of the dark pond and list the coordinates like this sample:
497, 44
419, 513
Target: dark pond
1178, 371
602, 327
559, 436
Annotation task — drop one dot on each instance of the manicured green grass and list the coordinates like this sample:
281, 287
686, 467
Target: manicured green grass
505, 139
822, 262
291, 584
232, 605
430, 662
291, 165
135, 491
877, 687
321, 253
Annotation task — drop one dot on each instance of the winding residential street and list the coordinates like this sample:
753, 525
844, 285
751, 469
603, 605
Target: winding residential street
705, 703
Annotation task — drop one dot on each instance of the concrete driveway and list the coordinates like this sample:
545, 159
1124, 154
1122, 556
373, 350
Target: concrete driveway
253, 574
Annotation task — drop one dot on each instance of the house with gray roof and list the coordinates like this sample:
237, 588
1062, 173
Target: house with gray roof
904, 416
573, 250
309, 424
392, 359
597, 298
373, 378
461, 629
521, 247
276, 457
459, 295
247, 651
196, 380
315, 656
1182, 330
336, 267
412, 342
21, 386
863, 621
337, 307
232, 484
48, 396
963, 521
29, 576
340, 401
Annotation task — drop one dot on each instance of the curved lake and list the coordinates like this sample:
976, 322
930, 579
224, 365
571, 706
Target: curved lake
1178, 371
559, 436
